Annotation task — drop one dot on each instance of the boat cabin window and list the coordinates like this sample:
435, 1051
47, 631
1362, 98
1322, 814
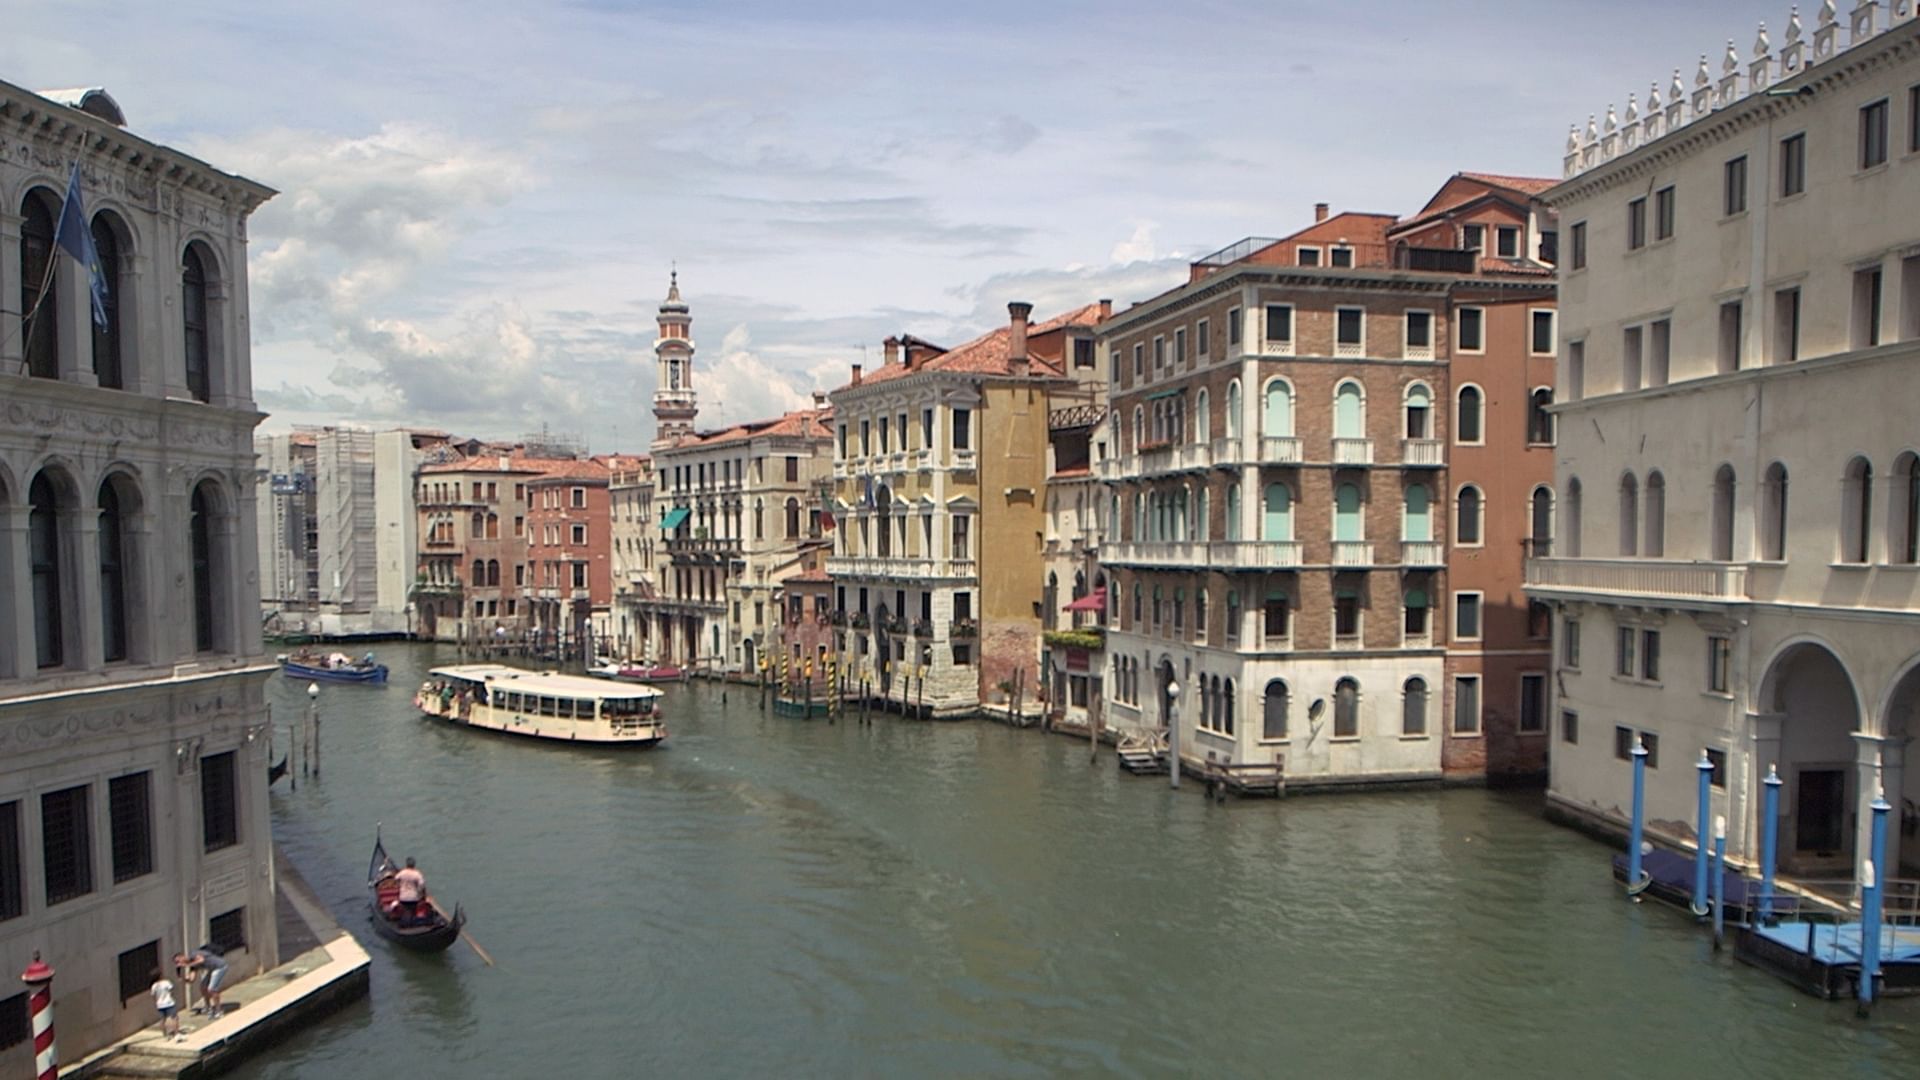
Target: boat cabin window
548, 707
621, 708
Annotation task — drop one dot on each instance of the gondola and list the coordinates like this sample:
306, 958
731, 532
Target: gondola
279, 769
432, 934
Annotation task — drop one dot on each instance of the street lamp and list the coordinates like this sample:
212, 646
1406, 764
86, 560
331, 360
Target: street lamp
1173, 729
313, 728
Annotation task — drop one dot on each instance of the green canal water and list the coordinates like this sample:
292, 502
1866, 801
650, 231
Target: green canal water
772, 897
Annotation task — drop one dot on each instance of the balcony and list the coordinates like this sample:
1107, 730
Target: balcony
963, 628
1422, 553
1349, 350
1684, 584
1177, 553
1417, 352
897, 461
842, 469
1279, 450
1423, 453
923, 459
1079, 637
966, 460
1165, 457
1254, 554
898, 567
1352, 451
1352, 554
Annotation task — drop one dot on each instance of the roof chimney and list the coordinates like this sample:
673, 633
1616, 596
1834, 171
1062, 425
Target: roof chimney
856, 374
893, 350
1106, 309
1319, 212
1017, 337
819, 399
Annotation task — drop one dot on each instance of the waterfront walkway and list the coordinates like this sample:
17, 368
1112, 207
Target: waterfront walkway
325, 968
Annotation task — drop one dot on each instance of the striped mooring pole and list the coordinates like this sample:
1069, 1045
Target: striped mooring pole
39, 980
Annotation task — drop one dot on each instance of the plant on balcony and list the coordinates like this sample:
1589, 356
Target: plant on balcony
1082, 637
922, 628
895, 626
838, 618
964, 628
860, 621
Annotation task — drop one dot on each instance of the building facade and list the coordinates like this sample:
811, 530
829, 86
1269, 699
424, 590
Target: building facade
1736, 551
133, 793
1299, 471
636, 541
569, 556
472, 578
936, 453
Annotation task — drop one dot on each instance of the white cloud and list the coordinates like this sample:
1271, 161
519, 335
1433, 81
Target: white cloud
1138, 247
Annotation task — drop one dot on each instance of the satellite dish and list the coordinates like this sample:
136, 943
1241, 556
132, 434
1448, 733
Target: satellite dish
1314, 710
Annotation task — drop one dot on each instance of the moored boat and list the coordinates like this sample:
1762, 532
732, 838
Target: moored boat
543, 705
334, 667
649, 673
427, 929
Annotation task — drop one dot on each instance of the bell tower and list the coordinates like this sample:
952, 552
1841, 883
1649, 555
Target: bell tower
674, 406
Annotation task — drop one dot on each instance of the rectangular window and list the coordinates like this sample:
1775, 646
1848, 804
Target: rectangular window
1340, 256
1346, 615
962, 429
1279, 322
1233, 326
1549, 246
1579, 256
1471, 325
1719, 663
1139, 360
130, 814
1533, 703
1637, 224
13, 892
1350, 327
520, 575
579, 533
1307, 256
1180, 345
1274, 616
579, 498
926, 428
1569, 727
519, 526
1576, 370
1793, 165
137, 966
14, 1025
219, 801
1873, 134
1083, 352
1717, 759
1730, 318
227, 931
962, 537
1420, 331
1542, 344
1466, 704
1159, 352
579, 575
866, 438
1650, 655
1623, 651
793, 463
1202, 338
1652, 743
1734, 175
1466, 616
1663, 213
1570, 644
1866, 308
1473, 237
1913, 120
66, 840
1506, 242
1786, 326
1623, 743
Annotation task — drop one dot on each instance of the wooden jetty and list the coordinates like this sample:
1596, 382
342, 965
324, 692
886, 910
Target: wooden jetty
1823, 958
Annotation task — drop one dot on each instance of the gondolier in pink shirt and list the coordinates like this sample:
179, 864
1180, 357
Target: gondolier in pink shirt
413, 889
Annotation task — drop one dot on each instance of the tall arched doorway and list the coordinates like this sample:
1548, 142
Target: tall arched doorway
1900, 722
1809, 690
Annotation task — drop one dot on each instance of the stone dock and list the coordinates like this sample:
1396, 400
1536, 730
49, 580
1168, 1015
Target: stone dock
327, 970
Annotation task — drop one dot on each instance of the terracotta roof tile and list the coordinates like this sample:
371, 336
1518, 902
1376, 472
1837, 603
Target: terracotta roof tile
803, 423
988, 353
493, 461
1530, 185
570, 469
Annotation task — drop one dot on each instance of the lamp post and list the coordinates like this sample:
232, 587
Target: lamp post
313, 728
1173, 729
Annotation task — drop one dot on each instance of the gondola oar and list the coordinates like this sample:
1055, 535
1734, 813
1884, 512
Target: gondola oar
464, 936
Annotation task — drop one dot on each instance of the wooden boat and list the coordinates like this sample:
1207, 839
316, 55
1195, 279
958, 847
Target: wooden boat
802, 708
333, 667
648, 673
543, 705
431, 932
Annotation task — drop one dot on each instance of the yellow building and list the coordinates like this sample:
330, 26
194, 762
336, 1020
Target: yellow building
940, 473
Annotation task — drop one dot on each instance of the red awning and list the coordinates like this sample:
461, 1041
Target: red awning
1093, 601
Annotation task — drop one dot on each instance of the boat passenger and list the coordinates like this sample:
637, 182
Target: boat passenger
413, 892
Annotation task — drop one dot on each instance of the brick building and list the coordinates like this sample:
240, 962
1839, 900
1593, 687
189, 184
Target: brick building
569, 554
473, 507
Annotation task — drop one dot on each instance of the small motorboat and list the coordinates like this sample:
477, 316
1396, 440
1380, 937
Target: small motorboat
429, 929
333, 667
606, 669
649, 673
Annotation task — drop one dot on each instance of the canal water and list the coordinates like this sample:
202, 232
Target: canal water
772, 897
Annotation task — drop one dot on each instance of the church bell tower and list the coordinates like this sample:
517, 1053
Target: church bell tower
674, 406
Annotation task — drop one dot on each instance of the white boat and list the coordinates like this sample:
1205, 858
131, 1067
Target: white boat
543, 705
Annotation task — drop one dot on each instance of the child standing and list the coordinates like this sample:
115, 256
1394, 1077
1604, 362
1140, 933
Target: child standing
162, 991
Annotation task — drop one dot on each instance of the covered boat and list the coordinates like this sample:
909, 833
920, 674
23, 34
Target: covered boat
334, 667
543, 705
427, 929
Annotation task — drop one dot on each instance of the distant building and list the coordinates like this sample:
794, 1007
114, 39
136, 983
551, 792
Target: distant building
1073, 600
472, 577
636, 541
569, 555
133, 719
1735, 563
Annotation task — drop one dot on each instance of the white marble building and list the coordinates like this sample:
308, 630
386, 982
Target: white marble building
133, 749
1735, 569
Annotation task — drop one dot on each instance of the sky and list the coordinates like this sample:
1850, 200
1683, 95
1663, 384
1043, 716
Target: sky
480, 201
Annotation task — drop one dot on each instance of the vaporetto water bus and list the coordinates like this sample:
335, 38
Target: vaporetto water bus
543, 705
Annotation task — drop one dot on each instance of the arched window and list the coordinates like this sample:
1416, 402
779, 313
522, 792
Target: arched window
479, 573
1539, 420
1273, 711
1137, 596
1467, 516
1722, 521
1346, 513
1856, 511
1416, 523
39, 290
1226, 706
1233, 615
1541, 539
1232, 425
1278, 520
883, 530
1200, 613
1904, 514
1050, 601
107, 365
45, 533
1233, 511
1466, 428
1629, 515
1413, 712
759, 519
1419, 412
793, 520
1349, 413
1277, 417
193, 315
1202, 522
1139, 428
208, 589
1346, 709
493, 526
1773, 514
1656, 515
1570, 520
479, 525
1202, 419
493, 571
114, 549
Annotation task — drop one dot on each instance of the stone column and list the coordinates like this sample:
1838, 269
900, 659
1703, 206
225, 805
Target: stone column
142, 569
75, 319
140, 352
16, 646
1879, 762
1747, 804
11, 346
88, 618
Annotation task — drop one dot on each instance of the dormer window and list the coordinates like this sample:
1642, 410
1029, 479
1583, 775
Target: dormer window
1340, 256
1506, 241
1473, 237
1308, 256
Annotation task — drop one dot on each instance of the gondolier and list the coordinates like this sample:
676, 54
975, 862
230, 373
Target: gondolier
413, 888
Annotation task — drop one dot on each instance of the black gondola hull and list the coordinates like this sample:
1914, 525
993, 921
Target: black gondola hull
434, 934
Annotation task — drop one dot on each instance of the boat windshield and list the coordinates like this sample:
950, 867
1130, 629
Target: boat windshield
622, 708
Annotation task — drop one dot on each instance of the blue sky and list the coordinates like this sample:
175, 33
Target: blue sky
480, 200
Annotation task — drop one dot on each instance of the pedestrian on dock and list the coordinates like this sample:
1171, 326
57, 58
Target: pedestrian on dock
211, 963
162, 991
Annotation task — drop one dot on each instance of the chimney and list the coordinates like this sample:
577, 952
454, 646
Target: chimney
819, 399
856, 374
1106, 310
893, 351
1017, 337
1319, 212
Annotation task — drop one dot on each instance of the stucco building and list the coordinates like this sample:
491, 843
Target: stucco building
1735, 566
472, 578
133, 719
636, 541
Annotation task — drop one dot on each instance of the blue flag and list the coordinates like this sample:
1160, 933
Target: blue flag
74, 237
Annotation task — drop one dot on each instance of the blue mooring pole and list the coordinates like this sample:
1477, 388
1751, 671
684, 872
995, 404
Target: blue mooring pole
1705, 767
1639, 825
1870, 902
1719, 880
1769, 844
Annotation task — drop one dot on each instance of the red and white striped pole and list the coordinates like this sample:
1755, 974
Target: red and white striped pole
39, 980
